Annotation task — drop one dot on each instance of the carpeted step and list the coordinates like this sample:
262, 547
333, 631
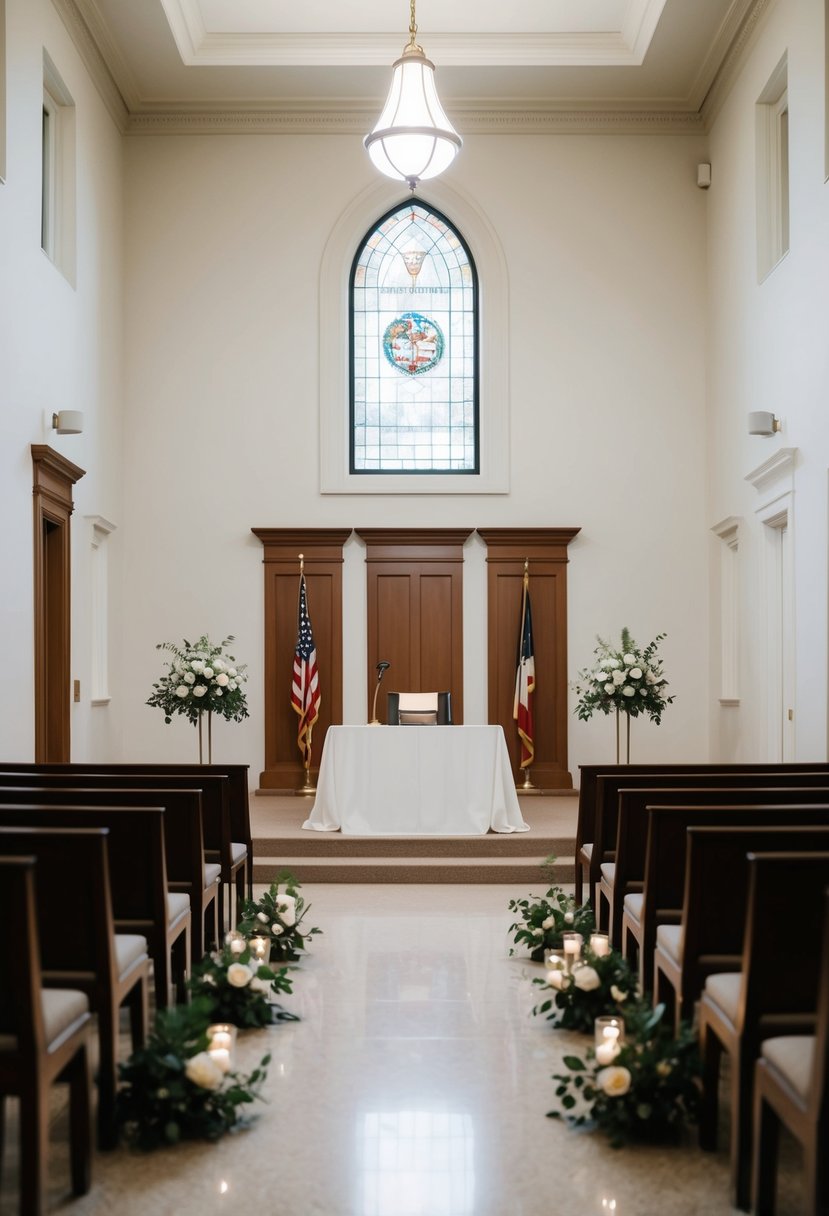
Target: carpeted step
334, 844
410, 869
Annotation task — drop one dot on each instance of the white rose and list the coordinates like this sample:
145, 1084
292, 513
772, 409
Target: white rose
217, 692
612, 663
257, 985
286, 907
208, 673
615, 1081
609, 688
600, 675
277, 930
239, 975
199, 690
189, 678
233, 684
618, 677
548, 923
197, 665
569, 917
218, 665
263, 916
617, 994
587, 979
222, 679
630, 659
231, 671
202, 1070
628, 691
537, 932
555, 979
650, 678
636, 673
643, 692
182, 690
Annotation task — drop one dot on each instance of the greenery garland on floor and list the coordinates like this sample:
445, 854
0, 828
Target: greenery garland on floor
543, 919
278, 914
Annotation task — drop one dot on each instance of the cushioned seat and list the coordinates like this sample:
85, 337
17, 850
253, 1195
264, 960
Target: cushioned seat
587, 850
793, 1055
725, 988
633, 905
669, 937
64, 1011
130, 948
608, 871
178, 905
238, 850
212, 873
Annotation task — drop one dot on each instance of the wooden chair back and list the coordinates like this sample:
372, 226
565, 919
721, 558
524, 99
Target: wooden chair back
21, 1014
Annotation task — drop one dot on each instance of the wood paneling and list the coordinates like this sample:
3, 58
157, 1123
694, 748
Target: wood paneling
53, 479
322, 548
546, 550
415, 610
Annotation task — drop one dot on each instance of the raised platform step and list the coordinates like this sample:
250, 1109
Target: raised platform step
309, 869
334, 845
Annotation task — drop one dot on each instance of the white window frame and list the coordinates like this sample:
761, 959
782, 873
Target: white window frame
57, 229
728, 531
773, 172
493, 317
100, 531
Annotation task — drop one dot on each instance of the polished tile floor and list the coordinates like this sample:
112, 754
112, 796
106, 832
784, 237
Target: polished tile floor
416, 1084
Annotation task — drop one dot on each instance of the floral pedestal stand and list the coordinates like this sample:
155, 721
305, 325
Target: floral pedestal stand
210, 739
618, 739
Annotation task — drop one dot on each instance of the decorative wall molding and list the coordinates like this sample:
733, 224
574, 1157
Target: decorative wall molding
356, 121
100, 55
776, 473
729, 69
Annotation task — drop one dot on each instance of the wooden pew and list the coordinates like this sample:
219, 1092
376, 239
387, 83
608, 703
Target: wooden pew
709, 937
187, 869
781, 1097
627, 873
608, 786
79, 948
660, 902
141, 901
775, 992
235, 864
44, 1037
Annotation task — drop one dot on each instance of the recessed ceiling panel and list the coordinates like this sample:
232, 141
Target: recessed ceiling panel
365, 32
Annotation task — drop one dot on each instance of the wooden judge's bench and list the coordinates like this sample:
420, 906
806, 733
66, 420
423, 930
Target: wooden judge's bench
414, 582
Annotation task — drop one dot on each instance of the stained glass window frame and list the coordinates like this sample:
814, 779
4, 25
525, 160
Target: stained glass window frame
474, 470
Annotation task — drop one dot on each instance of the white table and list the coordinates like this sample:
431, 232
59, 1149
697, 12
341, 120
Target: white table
415, 780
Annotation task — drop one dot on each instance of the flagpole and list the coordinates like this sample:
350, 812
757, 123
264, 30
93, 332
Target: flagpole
307, 786
527, 783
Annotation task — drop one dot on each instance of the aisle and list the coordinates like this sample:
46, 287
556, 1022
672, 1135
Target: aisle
415, 1085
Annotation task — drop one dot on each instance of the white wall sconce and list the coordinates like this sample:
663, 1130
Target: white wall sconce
68, 422
761, 422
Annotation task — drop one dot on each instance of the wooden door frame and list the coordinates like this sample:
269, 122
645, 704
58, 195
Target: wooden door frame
53, 479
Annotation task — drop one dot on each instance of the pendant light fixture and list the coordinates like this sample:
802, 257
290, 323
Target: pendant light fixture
413, 138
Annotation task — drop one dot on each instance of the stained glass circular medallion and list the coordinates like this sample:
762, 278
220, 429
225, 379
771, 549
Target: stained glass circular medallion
413, 344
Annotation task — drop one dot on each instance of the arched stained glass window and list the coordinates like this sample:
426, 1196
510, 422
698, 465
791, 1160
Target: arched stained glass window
414, 347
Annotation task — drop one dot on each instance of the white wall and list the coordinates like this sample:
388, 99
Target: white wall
767, 351
604, 239
60, 348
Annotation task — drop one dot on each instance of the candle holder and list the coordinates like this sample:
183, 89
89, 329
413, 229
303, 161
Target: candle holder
572, 944
236, 941
556, 969
221, 1042
609, 1036
260, 947
600, 944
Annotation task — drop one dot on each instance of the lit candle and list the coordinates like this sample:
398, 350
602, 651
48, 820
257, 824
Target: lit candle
260, 946
220, 1044
609, 1033
572, 943
553, 960
600, 944
221, 1056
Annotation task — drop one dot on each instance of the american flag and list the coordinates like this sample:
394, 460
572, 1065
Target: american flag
305, 685
525, 682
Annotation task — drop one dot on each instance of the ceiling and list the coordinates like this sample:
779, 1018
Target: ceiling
529, 57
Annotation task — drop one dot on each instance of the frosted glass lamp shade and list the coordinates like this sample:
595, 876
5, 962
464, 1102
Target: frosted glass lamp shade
413, 139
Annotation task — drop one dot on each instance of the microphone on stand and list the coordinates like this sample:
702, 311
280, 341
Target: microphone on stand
382, 668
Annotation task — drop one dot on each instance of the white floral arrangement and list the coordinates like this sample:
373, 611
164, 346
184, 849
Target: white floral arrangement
201, 677
626, 678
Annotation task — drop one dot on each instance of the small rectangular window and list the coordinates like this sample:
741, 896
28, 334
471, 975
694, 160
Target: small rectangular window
57, 215
773, 171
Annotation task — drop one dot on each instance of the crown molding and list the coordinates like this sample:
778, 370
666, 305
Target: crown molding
97, 51
732, 62
291, 121
776, 473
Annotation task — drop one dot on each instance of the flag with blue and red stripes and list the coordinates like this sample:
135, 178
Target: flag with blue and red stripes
522, 709
305, 684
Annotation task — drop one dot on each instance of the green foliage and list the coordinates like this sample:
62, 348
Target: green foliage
626, 679
602, 985
543, 919
160, 1102
231, 995
201, 677
279, 915
649, 1092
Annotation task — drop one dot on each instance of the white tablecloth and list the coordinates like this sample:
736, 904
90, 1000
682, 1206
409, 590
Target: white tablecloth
415, 780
